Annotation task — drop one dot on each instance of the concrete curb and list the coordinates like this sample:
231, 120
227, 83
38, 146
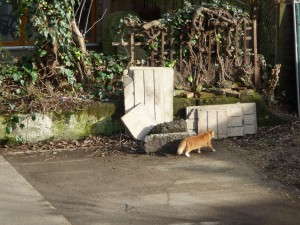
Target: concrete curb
21, 204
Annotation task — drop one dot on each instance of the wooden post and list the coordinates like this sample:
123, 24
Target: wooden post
245, 43
152, 55
180, 53
132, 47
257, 80
171, 45
236, 39
209, 51
162, 54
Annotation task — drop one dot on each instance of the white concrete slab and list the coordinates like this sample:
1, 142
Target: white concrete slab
139, 121
240, 119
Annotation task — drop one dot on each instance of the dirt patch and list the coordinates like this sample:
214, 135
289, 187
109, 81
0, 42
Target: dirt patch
275, 152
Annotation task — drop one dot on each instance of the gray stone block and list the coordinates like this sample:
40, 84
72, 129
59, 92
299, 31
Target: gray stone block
164, 143
175, 126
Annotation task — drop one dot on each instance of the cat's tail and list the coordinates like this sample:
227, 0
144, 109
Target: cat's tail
181, 147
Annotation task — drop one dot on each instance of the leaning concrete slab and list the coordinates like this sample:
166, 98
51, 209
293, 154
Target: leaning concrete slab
21, 203
139, 121
164, 143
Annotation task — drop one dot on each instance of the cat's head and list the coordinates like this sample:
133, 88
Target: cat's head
211, 132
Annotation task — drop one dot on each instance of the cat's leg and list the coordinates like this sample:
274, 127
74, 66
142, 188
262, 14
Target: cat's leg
187, 154
211, 147
199, 150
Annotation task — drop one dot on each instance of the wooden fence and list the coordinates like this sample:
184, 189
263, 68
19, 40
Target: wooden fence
204, 61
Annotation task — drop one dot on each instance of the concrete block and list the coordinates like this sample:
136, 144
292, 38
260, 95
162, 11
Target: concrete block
236, 117
139, 121
164, 143
235, 131
235, 121
213, 120
249, 108
249, 119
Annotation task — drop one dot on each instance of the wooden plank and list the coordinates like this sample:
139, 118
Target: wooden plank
245, 42
209, 51
132, 47
171, 44
257, 79
236, 39
126, 43
162, 47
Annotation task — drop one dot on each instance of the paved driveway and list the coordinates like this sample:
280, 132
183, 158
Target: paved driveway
208, 189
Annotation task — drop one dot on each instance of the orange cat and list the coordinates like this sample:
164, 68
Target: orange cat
191, 143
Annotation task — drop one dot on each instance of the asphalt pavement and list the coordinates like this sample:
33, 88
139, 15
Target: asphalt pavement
211, 188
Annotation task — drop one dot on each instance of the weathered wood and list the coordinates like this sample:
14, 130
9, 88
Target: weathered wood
162, 53
209, 51
153, 23
171, 45
132, 47
236, 40
245, 42
257, 79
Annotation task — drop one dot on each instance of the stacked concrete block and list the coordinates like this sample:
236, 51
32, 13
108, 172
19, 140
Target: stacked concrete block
151, 89
226, 120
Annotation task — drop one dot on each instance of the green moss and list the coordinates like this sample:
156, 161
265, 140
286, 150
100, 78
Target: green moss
106, 127
97, 119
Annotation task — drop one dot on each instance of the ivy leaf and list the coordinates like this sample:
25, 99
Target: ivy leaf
9, 129
43, 53
33, 117
109, 88
190, 79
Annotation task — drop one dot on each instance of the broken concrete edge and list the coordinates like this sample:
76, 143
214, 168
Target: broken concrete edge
163, 143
